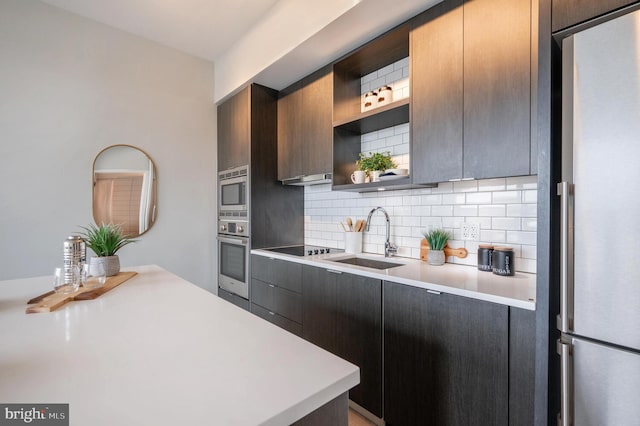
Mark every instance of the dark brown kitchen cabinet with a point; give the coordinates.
(522, 342)
(446, 359)
(305, 132)
(290, 132)
(436, 39)
(234, 130)
(342, 313)
(497, 88)
(566, 13)
(276, 287)
(470, 91)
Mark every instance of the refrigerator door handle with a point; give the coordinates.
(563, 192)
(565, 418)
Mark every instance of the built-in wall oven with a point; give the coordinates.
(233, 265)
(233, 231)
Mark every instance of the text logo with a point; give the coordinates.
(34, 414)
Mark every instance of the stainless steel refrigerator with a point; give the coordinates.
(600, 213)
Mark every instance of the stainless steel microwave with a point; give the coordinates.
(232, 189)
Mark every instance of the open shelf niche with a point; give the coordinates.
(350, 122)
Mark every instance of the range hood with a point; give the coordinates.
(308, 180)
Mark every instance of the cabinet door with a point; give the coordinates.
(319, 307)
(522, 349)
(234, 132)
(566, 13)
(436, 93)
(359, 336)
(317, 129)
(290, 128)
(446, 359)
(497, 86)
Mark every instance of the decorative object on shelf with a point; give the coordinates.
(485, 253)
(105, 241)
(385, 95)
(358, 176)
(437, 239)
(503, 261)
(370, 101)
(375, 162)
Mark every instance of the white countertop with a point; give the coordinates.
(518, 291)
(158, 350)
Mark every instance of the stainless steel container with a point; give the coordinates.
(74, 253)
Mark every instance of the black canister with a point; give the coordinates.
(485, 253)
(503, 261)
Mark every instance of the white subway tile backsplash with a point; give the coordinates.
(465, 186)
(465, 210)
(493, 236)
(529, 224)
(506, 197)
(442, 210)
(453, 199)
(492, 184)
(491, 210)
(506, 223)
(478, 198)
(530, 196)
(521, 237)
(522, 182)
(522, 210)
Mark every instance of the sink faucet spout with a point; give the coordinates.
(389, 248)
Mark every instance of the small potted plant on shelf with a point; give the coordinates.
(437, 239)
(105, 241)
(375, 163)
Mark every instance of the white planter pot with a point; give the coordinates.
(111, 264)
(435, 257)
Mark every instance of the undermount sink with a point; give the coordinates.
(367, 263)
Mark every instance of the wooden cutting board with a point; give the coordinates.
(51, 301)
(458, 252)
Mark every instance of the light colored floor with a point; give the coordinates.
(355, 419)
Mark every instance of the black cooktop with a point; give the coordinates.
(304, 250)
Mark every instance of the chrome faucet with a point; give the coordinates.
(389, 248)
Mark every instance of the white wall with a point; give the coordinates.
(70, 87)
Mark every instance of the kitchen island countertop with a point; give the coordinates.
(518, 291)
(158, 350)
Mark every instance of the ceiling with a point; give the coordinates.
(203, 28)
(241, 36)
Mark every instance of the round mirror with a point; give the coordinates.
(125, 189)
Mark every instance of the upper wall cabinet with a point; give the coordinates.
(470, 90)
(566, 13)
(305, 126)
(437, 93)
(497, 88)
(234, 133)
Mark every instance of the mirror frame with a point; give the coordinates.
(155, 184)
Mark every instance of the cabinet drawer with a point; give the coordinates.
(279, 272)
(272, 317)
(276, 299)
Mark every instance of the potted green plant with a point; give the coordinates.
(105, 241)
(375, 163)
(437, 239)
